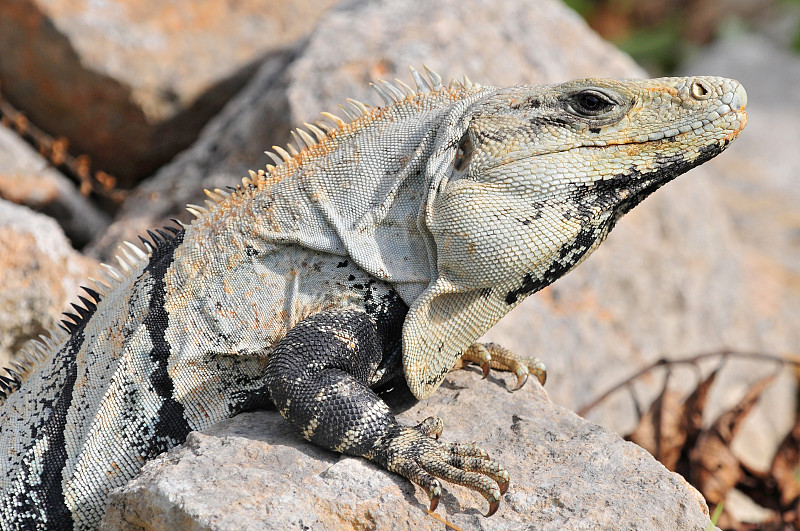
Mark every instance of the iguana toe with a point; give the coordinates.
(492, 355)
(411, 452)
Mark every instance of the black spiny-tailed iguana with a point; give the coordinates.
(374, 251)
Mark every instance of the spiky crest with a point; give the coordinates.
(130, 258)
(390, 93)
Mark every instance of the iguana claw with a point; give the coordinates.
(485, 367)
(503, 486)
(493, 356)
(434, 502)
(411, 452)
(522, 377)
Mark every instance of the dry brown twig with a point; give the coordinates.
(56, 151)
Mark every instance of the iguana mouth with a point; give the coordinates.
(671, 135)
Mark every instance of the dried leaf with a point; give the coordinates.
(695, 404)
(714, 469)
(785, 469)
(660, 430)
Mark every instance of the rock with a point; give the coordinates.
(540, 43)
(757, 182)
(27, 179)
(131, 83)
(253, 472)
(40, 273)
(499, 43)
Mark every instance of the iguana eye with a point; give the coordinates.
(463, 153)
(590, 103)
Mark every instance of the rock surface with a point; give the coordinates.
(232, 143)
(39, 271)
(758, 182)
(253, 472)
(149, 72)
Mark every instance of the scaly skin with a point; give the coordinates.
(375, 252)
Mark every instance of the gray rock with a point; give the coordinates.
(40, 273)
(253, 472)
(496, 43)
(131, 83)
(231, 143)
(27, 178)
(758, 181)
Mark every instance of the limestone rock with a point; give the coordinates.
(131, 83)
(253, 472)
(40, 273)
(757, 183)
(232, 143)
(499, 43)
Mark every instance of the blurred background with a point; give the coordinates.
(661, 36)
(116, 113)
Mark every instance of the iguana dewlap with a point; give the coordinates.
(377, 250)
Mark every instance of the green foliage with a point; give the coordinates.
(659, 49)
(583, 7)
(796, 43)
(715, 517)
(660, 40)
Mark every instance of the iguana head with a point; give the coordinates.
(533, 180)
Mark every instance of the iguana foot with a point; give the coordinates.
(413, 453)
(493, 356)
(317, 377)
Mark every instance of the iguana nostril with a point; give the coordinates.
(700, 90)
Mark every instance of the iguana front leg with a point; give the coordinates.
(318, 377)
(493, 356)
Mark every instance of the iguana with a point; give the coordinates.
(375, 252)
